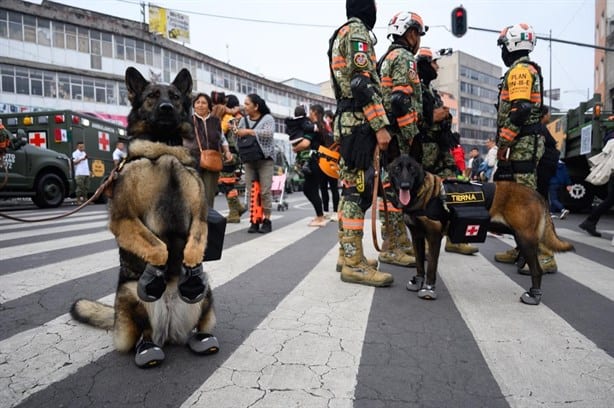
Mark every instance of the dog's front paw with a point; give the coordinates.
(204, 344)
(152, 283)
(148, 354)
(192, 284)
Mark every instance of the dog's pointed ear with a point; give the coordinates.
(183, 82)
(135, 83)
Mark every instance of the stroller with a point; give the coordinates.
(278, 187)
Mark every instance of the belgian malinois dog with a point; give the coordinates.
(158, 215)
(515, 208)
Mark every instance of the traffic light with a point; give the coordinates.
(459, 21)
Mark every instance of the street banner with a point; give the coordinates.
(169, 24)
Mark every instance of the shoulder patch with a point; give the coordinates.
(520, 82)
(361, 60)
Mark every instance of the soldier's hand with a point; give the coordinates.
(441, 114)
(383, 138)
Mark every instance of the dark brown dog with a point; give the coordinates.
(158, 215)
(514, 206)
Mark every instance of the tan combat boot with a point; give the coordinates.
(341, 258)
(356, 270)
(546, 259)
(510, 256)
(462, 248)
(236, 209)
(391, 252)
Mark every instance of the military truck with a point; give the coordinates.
(579, 136)
(42, 169)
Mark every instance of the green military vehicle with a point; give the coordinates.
(580, 136)
(42, 169)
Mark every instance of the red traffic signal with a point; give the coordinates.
(459, 21)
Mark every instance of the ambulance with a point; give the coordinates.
(39, 170)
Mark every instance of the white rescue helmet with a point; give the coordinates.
(517, 37)
(404, 20)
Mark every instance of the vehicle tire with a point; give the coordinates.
(49, 191)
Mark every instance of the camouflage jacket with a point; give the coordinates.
(432, 130)
(522, 81)
(399, 74)
(352, 53)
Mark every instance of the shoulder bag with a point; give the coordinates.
(210, 159)
(249, 148)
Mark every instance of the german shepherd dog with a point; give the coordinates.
(515, 208)
(158, 215)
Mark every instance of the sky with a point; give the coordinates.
(282, 39)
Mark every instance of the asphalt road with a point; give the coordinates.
(292, 334)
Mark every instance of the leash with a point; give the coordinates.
(107, 183)
(377, 184)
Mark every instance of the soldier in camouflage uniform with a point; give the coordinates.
(519, 140)
(403, 101)
(435, 140)
(360, 124)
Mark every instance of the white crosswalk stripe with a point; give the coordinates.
(308, 349)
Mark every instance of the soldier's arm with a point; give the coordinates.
(364, 81)
(406, 101)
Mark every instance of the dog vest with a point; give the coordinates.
(467, 204)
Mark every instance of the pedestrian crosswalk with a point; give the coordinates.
(293, 334)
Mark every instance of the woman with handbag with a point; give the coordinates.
(208, 144)
(256, 149)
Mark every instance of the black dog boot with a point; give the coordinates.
(192, 284)
(148, 354)
(415, 284)
(427, 292)
(532, 297)
(590, 227)
(152, 283)
(203, 344)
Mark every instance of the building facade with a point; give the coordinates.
(54, 56)
(604, 61)
(473, 84)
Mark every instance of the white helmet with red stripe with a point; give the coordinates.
(403, 20)
(517, 37)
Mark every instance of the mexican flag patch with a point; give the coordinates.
(359, 46)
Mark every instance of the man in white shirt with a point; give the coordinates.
(119, 153)
(82, 172)
(490, 161)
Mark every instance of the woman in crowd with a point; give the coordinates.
(259, 123)
(305, 142)
(208, 133)
(325, 133)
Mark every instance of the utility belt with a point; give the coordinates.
(527, 166)
(530, 130)
(362, 198)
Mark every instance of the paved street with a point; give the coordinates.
(293, 335)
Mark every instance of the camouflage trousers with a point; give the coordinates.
(83, 185)
(527, 148)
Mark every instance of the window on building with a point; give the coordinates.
(111, 99)
(157, 56)
(4, 21)
(22, 82)
(107, 45)
(119, 47)
(36, 82)
(71, 36)
(58, 35)
(149, 59)
(123, 95)
(84, 40)
(129, 49)
(76, 87)
(140, 52)
(8, 78)
(95, 61)
(15, 26)
(95, 43)
(49, 85)
(64, 86)
(29, 28)
(88, 90)
(43, 31)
